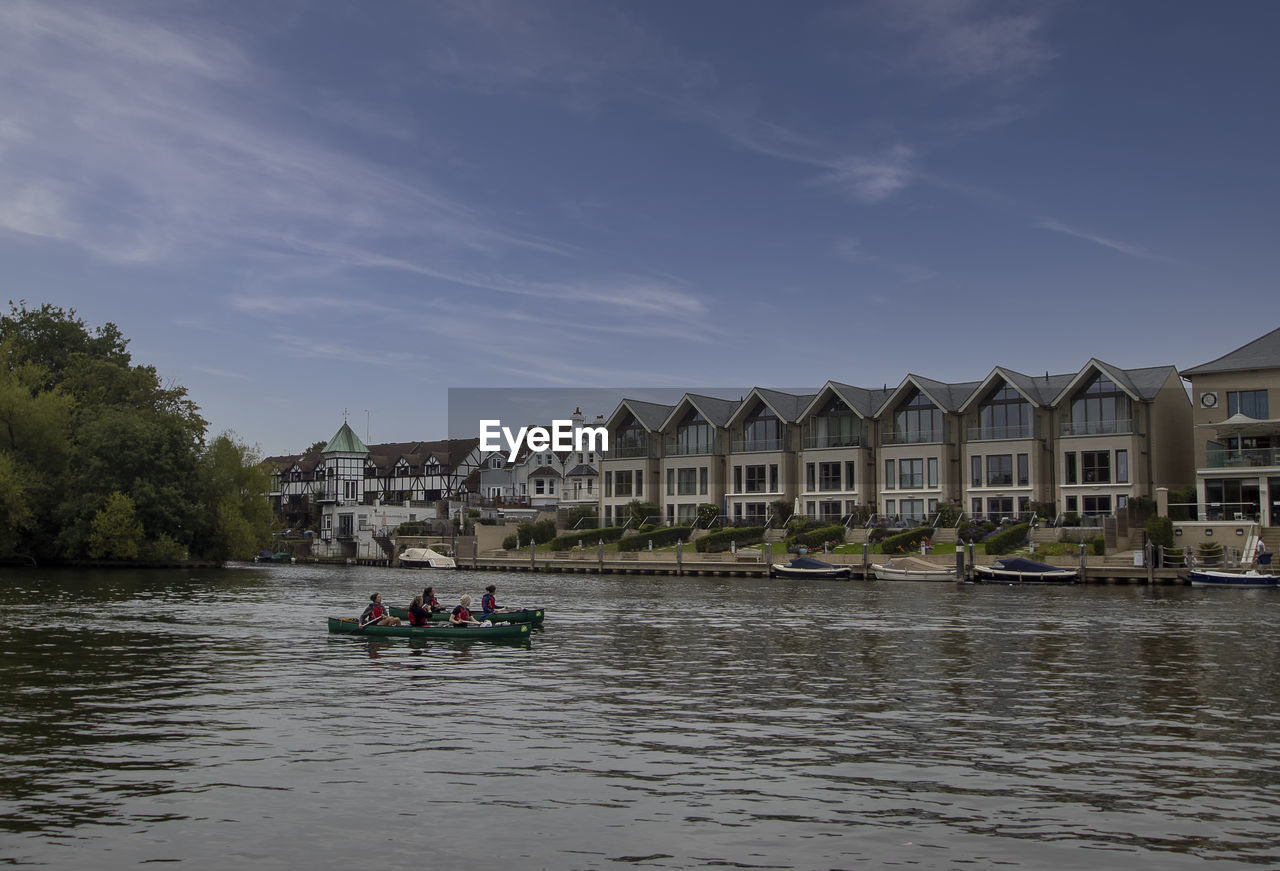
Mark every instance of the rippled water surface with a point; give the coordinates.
(208, 719)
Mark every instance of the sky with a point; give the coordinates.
(298, 210)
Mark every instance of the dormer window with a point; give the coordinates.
(1101, 407)
(834, 426)
(762, 430)
(694, 434)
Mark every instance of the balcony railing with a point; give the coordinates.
(1000, 433)
(917, 437)
(1222, 458)
(749, 445)
(812, 442)
(673, 448)
(627, 452)
(1097, 427)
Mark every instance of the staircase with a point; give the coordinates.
(944, 534)
(387, 544)
(1271, 538)
(775, 535)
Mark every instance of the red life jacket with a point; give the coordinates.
(462, 613)
(488, 603)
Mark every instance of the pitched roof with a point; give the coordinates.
(650, 414)
(580, 471)
(345, 441)
(1261, 353)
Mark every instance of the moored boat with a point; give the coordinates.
(425, 558)
(909, 568)
(1251, 578)
(522, 615)
(807, 567)
(1018, 570)
(351, 626)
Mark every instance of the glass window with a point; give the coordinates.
(694, 435)
(623, 483)
(932, 464)
(671, 482)
(755, 479)
(737, 479)
(1100, 407)
(833, 427)
(1024, 473)
(1005, 415)
(828, 476)
(1070, 475)
(975, 471)
(810, 477)
(1073, 504)
(850, 481)
(1000, 471)
(1250, 403)
(608, 483)
(762, 431)
(890, 507)
(687, 482)
(917, 420)
(890, 476)
(975, 506)
(702, 481)
(1095, 467)
(1122, 467)
(911, 474)
(639, 482)
(773, 478)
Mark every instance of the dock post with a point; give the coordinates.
(768, 558)
(960, 562)
(1082, 563)
(865, 547)
(600, 556)
(533, 559)
(679, 558)
(1148, 556)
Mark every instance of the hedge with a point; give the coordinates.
(660, 538)
(588, 537)
(817, 537)
(720, 541)
(1005, 542)
(906, 542)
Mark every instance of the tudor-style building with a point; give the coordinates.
(1237, 439)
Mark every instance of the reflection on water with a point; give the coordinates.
(208, 718)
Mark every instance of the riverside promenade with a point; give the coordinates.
(755, 563)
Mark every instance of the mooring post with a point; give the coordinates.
(1082, 563)
(768, 557)
(865, 559)
(960, 562)
(600, 557)
(533, 559)
(679, 558)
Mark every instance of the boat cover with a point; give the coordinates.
(804, 562)
(914, 564)
(1026, 566)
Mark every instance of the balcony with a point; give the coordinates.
(744, 446)
(673, 448)
(1097, 427)
(918, 437)
(1000, 433)
(1225, 458)
(630, 452)
(817, 442)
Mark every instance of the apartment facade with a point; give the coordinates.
(1237, 439)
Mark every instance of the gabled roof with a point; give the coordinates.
(1143, 385)
(650, 414)
(581, 471)
(544, 472)
(1261, 353)
(1038, 391)
(345, 441)
(787, 406)
(948, 397)
(717, 411)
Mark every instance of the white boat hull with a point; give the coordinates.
(425, 558)
(1232, 579)
(886, 573)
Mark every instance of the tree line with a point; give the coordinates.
(101, 459)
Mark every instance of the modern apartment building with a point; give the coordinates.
(1237, 441)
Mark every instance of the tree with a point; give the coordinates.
(234, 485)
(115, 532)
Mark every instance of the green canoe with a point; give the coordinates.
(524, 615)
(351, 626)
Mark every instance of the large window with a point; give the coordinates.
(917, 420)
(686, 482)
(911, 474)
(1097, 505)
(1000, 470)
(835, 426)
(630, 439)
(755, 479)
(1250, 403)
(975, 471)
(890, 475)
(1101, 407)
(932, 464)
(622, 483)
(762, 431)
(694, 435)
(1024, 473)
(1122, 467)
(1005, 415)
(1070, 475)
(828, 476)
(1095, 467)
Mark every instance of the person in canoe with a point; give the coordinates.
(430, 602)
(419, 614)
(461, 615)
(376, 613)
(489, 601)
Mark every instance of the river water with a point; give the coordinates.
(208, 719)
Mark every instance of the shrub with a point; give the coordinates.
(906, 541)
(538, 533)
(1160, 531)
(1099, 545)
(815, 538)
(949, 515)
(1007, 540)
(1071, 518)
(719, 541)
(588, 537)
(659, 537)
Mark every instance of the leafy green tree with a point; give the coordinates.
(16, 514)
(114, 532)
(234, 485)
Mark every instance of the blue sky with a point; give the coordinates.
(295, 208)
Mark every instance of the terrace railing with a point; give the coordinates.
(1097, 427)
